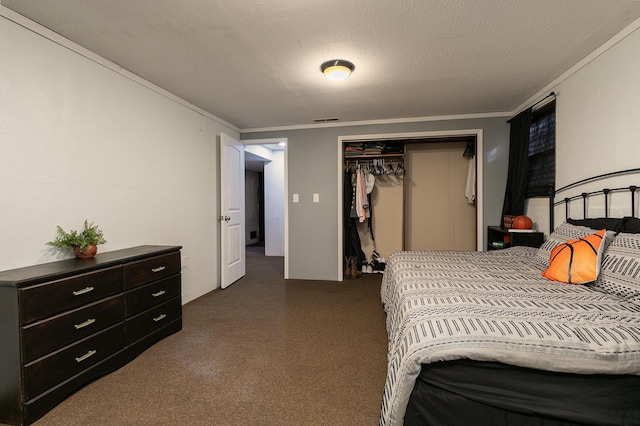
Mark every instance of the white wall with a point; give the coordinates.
(598, 126)
(598, 115)
(81, 139)
(274, 205)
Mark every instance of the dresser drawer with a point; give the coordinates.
(43, 300)
(47, 372)
(47, 336)
(148, 270)
(151, 320)
(144, 297)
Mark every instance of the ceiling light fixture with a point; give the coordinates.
(337, 69)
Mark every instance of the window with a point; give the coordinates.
(541, 172)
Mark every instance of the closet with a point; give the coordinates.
(420, 198)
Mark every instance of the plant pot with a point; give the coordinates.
(90, 251)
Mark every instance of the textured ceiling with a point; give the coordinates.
(255, 63)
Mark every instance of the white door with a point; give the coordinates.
(232, 244)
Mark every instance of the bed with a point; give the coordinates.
(483, 338)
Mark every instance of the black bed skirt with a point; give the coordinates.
(477, 393)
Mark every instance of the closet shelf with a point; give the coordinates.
(372, 156)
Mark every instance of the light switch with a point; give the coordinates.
(296, 198)
(316, 198)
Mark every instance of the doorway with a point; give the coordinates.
(265, 195)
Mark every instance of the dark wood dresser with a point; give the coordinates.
(63, 324)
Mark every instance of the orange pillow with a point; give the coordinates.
(576, 261)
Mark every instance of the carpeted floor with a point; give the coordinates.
(264, 351)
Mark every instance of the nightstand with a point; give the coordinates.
(496, 234)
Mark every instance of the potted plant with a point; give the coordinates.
(83, 243)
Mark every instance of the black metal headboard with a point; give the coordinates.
(606, 192)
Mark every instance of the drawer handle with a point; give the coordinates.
(84, 324)
(83, 291)
(158, 294)
(158, 269)
(87, 355)
(160, 317)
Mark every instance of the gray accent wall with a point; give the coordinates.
(312, 168)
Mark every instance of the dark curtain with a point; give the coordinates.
(518, 158)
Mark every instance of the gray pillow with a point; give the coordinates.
(620, 268)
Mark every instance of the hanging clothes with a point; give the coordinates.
(352, 243)
(353, 192)
(470, 189)
(470, 150)
(370, 181)
(362, 202)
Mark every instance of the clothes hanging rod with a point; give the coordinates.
(372, 159)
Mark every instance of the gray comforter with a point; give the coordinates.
(495, 306)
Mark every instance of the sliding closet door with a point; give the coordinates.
(438, 215)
